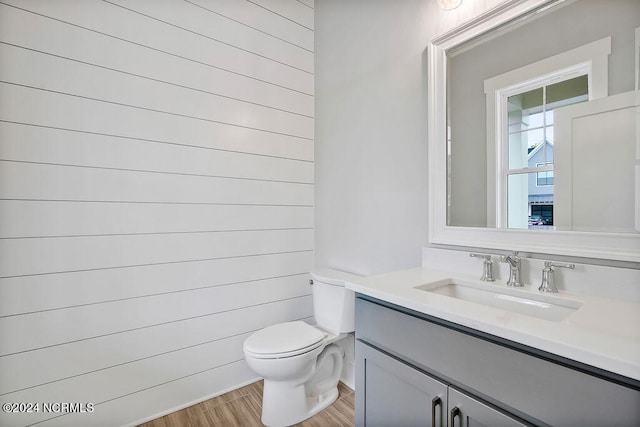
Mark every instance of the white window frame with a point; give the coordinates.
(590, 59)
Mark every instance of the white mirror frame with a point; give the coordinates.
(607, 246)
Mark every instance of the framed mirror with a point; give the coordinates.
(534, 121)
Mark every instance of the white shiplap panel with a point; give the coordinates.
(37, 367)
(119, 381)
(140, 340)
(261, 19)
(51, 291)
(45, 145)
(134, 59)
(223, 30)
(123, 24)
(58, 254)
(32, 218)
(52, 182)
(24, 67)
(289, 9)
(27, 105)
(37, 330)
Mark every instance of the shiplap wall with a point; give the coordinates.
(156, 197)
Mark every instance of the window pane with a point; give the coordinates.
(527, 100)
(526, 200)
(525, 120)
(524, 110)
(517, 194)
(521, 144)
(549, 146)
(534, 120)
(563, 93)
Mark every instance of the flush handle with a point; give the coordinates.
(435, 403)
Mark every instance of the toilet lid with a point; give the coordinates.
(284, 339)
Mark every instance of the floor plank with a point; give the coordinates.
(244, 411)
(243, 407)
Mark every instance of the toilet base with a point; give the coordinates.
(298, 407)
(289, 402)
(323, 401)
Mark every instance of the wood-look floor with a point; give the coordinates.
(243, 407)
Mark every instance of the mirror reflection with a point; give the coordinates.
(543, 124)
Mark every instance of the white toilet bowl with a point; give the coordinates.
(299, 382)
(300, 363)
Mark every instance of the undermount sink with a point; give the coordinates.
(544, 307)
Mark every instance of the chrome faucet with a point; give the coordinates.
(515, 268)
(548, 281)
(487, 271)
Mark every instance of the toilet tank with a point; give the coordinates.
(333, 304)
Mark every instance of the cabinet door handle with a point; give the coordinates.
(455, 412)
(434, 404)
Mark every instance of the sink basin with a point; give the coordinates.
(545, 307)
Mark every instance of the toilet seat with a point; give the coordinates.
(284, 340)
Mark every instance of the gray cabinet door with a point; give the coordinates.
(465, 411)
(391, 393)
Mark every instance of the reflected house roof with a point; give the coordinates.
(531, 151)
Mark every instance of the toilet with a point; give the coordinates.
(300, 363)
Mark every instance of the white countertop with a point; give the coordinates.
(604, 333)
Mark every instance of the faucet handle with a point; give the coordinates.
(548, 280)
(550, 264)
(487, 271)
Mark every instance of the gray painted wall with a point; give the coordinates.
(371, 175)
(371, 172)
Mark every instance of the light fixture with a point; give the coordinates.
(449, 4)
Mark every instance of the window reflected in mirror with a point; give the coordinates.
(530, 143)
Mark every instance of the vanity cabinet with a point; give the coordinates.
(413, 369)
(397, 394)
(400, 395)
